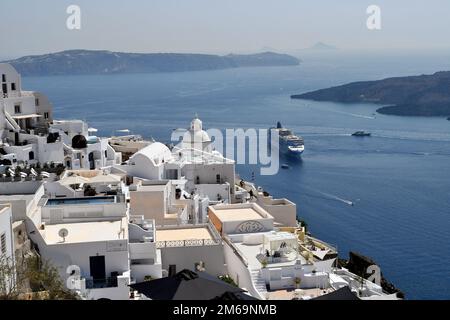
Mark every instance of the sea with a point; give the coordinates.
(398, 180)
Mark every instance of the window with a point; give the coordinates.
(3, 243)
(3, 77)
(46, 115)
(36, 102)
(13, 86)
(17, 108)
(31, 155)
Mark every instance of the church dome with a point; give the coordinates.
(196, 124)
(196, 137)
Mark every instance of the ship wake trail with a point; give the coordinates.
(328, 196)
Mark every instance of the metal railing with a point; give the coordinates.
(110, 282)
(187, 243)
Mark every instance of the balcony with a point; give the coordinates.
(142, 251)
(113, 288)
(110, 282)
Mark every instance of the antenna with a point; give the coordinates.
(63, 233)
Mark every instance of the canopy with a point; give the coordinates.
(273, 241)
(186, 285)
(320, 253)
(92, 130)
(27, 116)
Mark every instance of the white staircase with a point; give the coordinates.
(11, 122)
(258, 282)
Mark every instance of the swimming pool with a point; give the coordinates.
(76, 201)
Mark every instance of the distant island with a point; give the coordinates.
(424, 95)
(320, 46)
(76, 62)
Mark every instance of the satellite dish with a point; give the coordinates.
(200, 266)
(63, 233)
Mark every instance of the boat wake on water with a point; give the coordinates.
(329, 196)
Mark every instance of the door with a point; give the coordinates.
(91, 160)
(97, 265)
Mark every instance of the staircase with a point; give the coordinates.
(258, 282)
(11, 122)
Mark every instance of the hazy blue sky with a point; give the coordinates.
(219, 26)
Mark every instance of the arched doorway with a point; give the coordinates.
(92, 157)
(68, 162)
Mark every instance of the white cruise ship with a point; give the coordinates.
(289, 143)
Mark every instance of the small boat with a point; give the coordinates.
(361, 134)
(285, 166)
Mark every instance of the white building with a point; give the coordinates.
(260, 257)
(6, 234)
(29, 135)
(94, 235)
(196, 138)
(191, 247)
(7, 258)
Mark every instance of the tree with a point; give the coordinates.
(297, 282)
(89, 191)
(226, 278)
(9, 279)
(33, 277)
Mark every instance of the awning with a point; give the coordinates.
(276, 240)
(27, 116)
(320, 253)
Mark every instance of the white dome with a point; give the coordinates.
(157, 153)
(196, 137)
(196, 124)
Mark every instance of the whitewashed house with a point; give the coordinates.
(29, 134)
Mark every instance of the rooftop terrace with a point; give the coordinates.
(86, 232)
(183, 234)
(238, 214)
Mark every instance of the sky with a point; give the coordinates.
(220, 26)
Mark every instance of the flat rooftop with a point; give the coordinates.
(237, 214)
(250, 252)
(189, 155)
(152, 188)
(15, 197)
(202, 233)
(86, 232)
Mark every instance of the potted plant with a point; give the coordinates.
(264, 263)
(148, 278)
(297, 282)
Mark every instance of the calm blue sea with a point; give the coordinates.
(398, 179)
